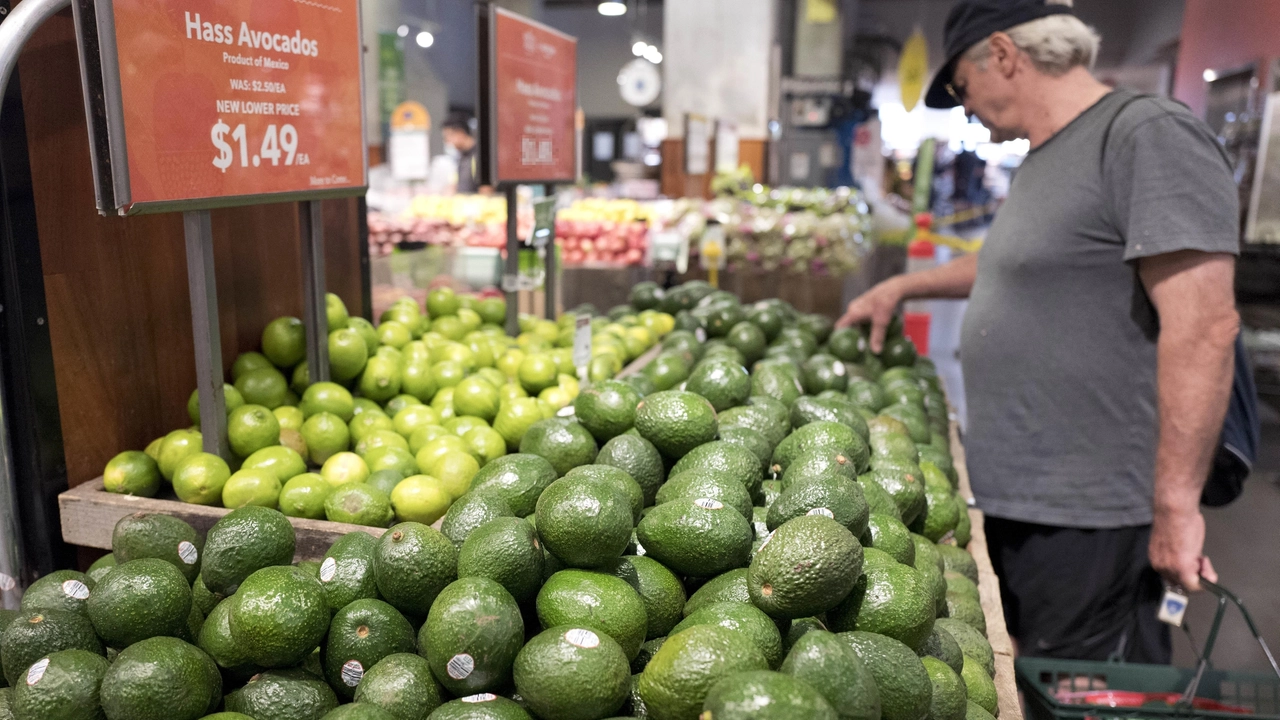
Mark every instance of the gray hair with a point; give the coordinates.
(1055, 43)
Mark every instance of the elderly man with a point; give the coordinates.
(1097, 345)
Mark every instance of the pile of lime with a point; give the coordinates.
(698, 541)
(416, 406)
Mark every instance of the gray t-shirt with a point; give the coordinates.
(1059, 340)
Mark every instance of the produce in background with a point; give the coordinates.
(558, 589)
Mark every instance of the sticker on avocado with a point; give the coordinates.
(639, 550)
(566, 411)
(7, 582)
(460, 666)
(482, 697)
(328, 569)
(352, 672)
(188, 552)
(582, 638)
(821, 511)
(75, 589)
(700, 334)
(36, 672)
(708, 503)
(838, 369)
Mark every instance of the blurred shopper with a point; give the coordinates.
(1098, 341)
(455, 170)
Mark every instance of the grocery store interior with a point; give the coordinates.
(677, 195)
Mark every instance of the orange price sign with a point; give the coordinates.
(209, 103)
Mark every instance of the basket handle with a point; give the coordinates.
(1224, 595)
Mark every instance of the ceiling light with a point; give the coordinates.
(403, 31)
(653, 54)
(639, 47)
(1210, 75)
(612, 8)
(425, 39)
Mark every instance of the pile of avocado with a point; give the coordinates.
(696, 542)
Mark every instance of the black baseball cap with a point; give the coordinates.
(969, 22)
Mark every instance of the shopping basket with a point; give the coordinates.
(1090, 690)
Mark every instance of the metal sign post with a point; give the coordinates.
(315, 317)
(511, 273)
(198, 230)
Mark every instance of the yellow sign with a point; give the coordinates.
(410, 115)
(913, 66)
(820, 12)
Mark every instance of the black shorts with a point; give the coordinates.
(1079, 594)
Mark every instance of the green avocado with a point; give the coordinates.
(360, 635)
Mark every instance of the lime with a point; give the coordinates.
(153, 449)
(367, 331)
(291, 399)
(248, 361)
(359, 504)
(251, 428)
(485, 443)
(510, 391)
(420, 498)
(394, 334)
(289, 417)
(380, 438)
(284, 342)
(328, 397)
(447, 374)
(456, 352)
(557, 397)
(405, 312)
(433, 450)
(470, 319)
(368, 422)
(380, 380)
(514, 418)
(424, 435)
(199, 479)
(400, 402)
(476, 397)
(482, 352)
(264, 386)
(391, 458)
(546, 330)
(509, 362)
(492, 310)
(251, 487)
(325, 434)
(385, 480)
(415, 376)
(335, 312)
(279, 460)
(132, 473)
(454, 469)
(292, 439)
(363, 404)
(175, 448)
(413, 417)
(538, 372)
(462, 425)
(344, 467)
(347, 354)
(303, 496)
(442, 301)
(449, 326)
(231, 397)
(564, 361)
(442, 403)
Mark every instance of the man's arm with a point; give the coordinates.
(1194, 296)
(953, 280)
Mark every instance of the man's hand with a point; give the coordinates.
(876, 306)
(1177, 541)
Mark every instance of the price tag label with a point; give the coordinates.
(582, 342)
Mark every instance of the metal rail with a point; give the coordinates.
(16, 29)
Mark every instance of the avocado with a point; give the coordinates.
(669, 369)
(958, 560)
(583, 523)
(758, 419)
(201, 598)
(484, 706)
(358, 711)
(61, 686)
(361, 634)
(904, 684)
(889, 598)
(822, 435)
(292, 694)
(961, 585)
(598, 601)
(412, 564)
(696, 536)
(564, 444)
(677, 679)
(768, 320)
(752, 440)
(926, 563)
(971, 643)
(831, 666)
(702, 483)
(616, 478)
(964, 608)
(819, 463)
(942, 645)
(140, 599)
(913, 418)
(888, 534)
(948, 700)
(101, 567)
(62, 590)
(642, 658)
(760, 693)
(744, 618)
(472, 635)
(141, 684)
(724, 383)
(878, 499)
(505, 550)
(974, 711)
(727, 587)
(346, 573)
(607, 409)
(6, 703)
(401, 684)
(659, 589)
(894, 446)
(940, 515)
(572, 672)
(964, 526)
(470, 512)
(280, 615)
(676, 422)
(778, 383)
(848, 344)
(979, 686)
(149, 535)
(639, 459)
(806, 567)
(770, 491)
(905, 485)
(216, 641)
(244, 541)
(750, 338)
(866, 394)
(798, 628)
(518, 478)
(835, 497)
(724, 458)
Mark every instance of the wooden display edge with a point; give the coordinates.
(989, 591)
